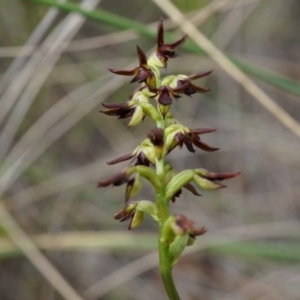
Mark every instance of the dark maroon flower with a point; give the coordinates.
(189, 87)
(126, 213)
(141, 159)
(218, 176)
(166, 51)
(166, 93)
(144, 154)
(191, 138)
(115, 180)
(123, 215)
(133, 183)
(143, 72)
(122, 110)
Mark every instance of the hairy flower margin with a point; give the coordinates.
(176, 231)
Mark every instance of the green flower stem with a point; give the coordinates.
(166, 272)
(163, 248)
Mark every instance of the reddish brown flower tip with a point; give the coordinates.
(142, 56)
(156, 137)
(141, 159)
(176, 195)
(203, 130)
(199, 75)
(192, 189)
(220, 176)
(188, 226)
(198, 231)
(122, 215)
(121, 159)
(184, 223)
(114, 180)
(166, 51)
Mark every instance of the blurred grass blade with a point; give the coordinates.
(101, 16)
(121, 241)
(279, 81)
(287, 252)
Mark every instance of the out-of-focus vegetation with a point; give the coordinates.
(54, 145)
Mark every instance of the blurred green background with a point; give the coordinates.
(54, 145)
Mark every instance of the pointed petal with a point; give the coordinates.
(221, 176)
(202, 130)
(122, 215)
(115, 180)
(116, 105)
(142, 56)
(198, 143)
(188, 143)
(192, 89)
(175, 44)
(192, 189)
(160, 33)
(120, 159)
(199, 75)
(124, 72)
(181, 88)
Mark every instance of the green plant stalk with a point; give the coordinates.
(163, 248)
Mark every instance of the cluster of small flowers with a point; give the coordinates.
(167, 135)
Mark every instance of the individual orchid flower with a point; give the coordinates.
(166, 51)
(129, 212)
(185, 82)
(169, 174)
(135, 109)
(183, 225)
(164, 96)
(132, 179)
(165, 93)
(142, 73)
(190, 138)
(144, 154)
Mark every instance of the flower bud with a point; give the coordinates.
(137, 116)
(178, 181)
(137, 219)
(177, 246)
(133, 187)
(167, 233)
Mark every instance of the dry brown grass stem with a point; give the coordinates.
(31, 251)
